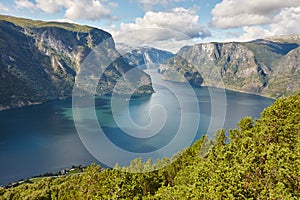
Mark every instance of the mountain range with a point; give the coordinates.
(269, 67)
(40, 61)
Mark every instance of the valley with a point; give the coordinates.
(215, 120)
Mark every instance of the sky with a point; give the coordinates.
(168, 24)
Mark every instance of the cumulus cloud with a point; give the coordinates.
(52, 6)
(113, 4)
(74, 9)
(24, 4)
(87, 9)
(65, 20)
(238, 13)
(284, 23)
(257, 18)
(149, 4)
(287, 22)
(174, 26)
(3, 7)
(254, 32)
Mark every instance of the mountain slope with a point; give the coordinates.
(285, 78)
(253, 67)
(40, 60)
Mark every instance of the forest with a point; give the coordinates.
(259, 159)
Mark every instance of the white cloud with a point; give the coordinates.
(65, 20)
(162, 28)
(74, 9)
(171, 45)
(113, 4)
(238, 13)
(24, 4)
(257, 18)
(243, 19)
(148, 4)
(287, 22)
(87, 10)
(3, 7)
(254, 32)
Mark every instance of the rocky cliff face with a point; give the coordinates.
(255, 67)
(285, 78)
(39, 61)
(144, 57)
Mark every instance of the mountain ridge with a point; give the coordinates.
(251, 67)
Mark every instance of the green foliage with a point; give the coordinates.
(259, 160)
(26, 23)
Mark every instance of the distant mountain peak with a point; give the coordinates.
(144, 57)
(285, 38)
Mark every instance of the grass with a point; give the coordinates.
(37, 179)
(71, 171)
(74, 171)
(27, 23)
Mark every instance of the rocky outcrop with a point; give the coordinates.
(181, 71)
(39, 61)
(285, 78)
(253, 67)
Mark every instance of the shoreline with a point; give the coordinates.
(74, 169)
(7, 108)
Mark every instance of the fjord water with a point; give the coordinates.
(43, 138)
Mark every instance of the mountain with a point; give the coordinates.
(144, 57)
(269, 67)
(293, 38)
(39, 61)
(180, 70)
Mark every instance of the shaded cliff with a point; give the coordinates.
(39, 61)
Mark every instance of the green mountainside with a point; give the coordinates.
(269, 67)
(27, 23)
(39, 61)
(260, 159)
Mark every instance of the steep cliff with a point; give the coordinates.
(285, 78)
(39, 61)
(257, 67)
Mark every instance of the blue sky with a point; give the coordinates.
(168, 24)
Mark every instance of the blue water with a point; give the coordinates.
(43, 138)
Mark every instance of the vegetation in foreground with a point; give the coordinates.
(259, 160)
